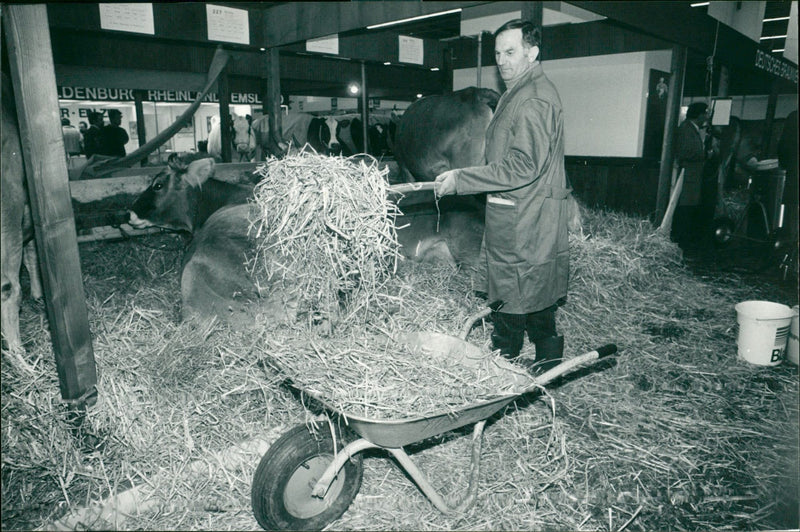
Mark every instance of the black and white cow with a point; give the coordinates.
(297, 130)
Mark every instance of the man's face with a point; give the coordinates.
(512, 56)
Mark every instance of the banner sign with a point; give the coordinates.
(775, 66)
(127, 95)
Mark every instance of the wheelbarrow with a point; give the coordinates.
(305, 482)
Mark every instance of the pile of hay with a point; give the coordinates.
(325, 231)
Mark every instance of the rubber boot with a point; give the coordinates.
(549, 352)
(508, 334)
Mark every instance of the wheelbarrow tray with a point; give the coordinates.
(453, 352)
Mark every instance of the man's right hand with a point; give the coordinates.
(445, 183)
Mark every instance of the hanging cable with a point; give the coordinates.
(710, 68)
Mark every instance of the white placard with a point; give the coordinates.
(411, 50)
(722, 112)
(227, 24)
(137, 18)
(325, 45)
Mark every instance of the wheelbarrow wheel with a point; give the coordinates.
(288, 471)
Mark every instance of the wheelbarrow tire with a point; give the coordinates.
(288, 471)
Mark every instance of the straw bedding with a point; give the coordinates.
(675, 433)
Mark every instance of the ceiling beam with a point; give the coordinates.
(678, 23)
(294, 22)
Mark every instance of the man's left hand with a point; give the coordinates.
(445, 183)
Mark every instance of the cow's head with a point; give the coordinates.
(322, 135)
(244, 138)
(171, 199)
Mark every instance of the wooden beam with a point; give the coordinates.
(33, 75)
(681, 24)
(293, 22)
(678, 72)
(377, 46)
(224, 94)
(274, 119)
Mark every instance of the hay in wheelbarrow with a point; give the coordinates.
(325, 230)
(393, 378)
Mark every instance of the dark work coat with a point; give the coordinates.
(526, 238)
(690, 154)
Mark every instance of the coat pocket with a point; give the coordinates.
(501, 231)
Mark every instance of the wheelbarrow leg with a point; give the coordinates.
(324, 482)
(430, 491)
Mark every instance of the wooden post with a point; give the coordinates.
(447, 74)
(141, 130)
(766, 137)
(224, 94)
(364, 107)
(273, 102)
(674, 97)
(533, 11)
(33, 76)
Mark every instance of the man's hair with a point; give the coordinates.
(531, 35)
(65, 121)
(696, 109)
(114, 112)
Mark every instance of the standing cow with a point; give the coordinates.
(297, 130)
(243, 142)
(186, 197)
(442, 132)
(350, 134)
(16, 240)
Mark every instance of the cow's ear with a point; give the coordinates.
(199, 171)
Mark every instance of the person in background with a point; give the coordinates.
(91, 139)
(72, 138)
(83, 127)
(113, 137)
(690, 156)
(526, 237)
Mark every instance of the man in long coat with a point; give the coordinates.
(688, 223)
(526, 237)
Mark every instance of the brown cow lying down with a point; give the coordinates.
(214, 277)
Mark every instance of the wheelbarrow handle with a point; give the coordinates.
(606, 350)
(573, 363)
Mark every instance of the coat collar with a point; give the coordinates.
(534, 73)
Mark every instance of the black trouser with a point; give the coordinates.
(509, 329)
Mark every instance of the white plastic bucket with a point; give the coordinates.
(791, 347)
(763, 331)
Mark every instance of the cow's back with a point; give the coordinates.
(216, 194)
(214, 279)
(438, 133)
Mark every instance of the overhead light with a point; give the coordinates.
(419, 95)
(263, 49)
(772, 37)
(410, 19)
(776, 19)
(353, 88)
(387, 63)
(779, 50)
(434, 69)
(699, 4)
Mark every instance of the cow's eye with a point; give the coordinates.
(158, 186)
